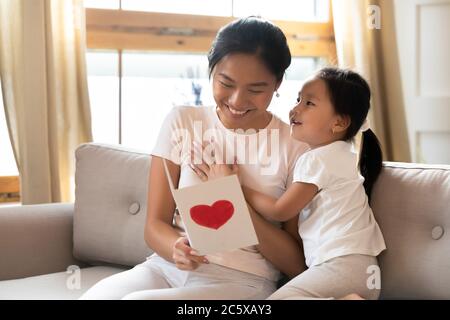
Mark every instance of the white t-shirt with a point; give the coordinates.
(266, 160)
(338, 221)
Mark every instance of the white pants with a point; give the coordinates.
(335, 278)
(158, 279)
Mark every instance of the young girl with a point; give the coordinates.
(340, 236)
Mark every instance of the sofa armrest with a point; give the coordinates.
(35, 240)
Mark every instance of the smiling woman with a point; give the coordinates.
(244, 81)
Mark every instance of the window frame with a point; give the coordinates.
(116, 29)
(9, 189)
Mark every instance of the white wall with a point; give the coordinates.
(424, 53)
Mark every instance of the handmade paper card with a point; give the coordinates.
(215, 215)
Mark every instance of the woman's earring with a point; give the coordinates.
(277, 94)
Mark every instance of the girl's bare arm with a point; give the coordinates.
(296, 197)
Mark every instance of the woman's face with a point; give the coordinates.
(243, 87)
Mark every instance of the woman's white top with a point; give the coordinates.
(266, 161)
(338, 221)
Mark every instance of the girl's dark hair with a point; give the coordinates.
(350, 96)
(252, 35)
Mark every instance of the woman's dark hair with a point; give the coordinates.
(350, 96)
(252, 35)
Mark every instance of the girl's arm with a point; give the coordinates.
(282, 248)
(296, 197)
(159, 234)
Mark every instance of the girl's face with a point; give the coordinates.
(243, 88)
(313, 120)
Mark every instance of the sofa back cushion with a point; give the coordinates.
(110, 206)
(411, 203)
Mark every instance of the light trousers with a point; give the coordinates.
(158, 279)
(335, 279)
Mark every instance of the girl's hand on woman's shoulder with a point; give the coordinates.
(208, 169)
(213, 171)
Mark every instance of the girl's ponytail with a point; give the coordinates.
(370, 160)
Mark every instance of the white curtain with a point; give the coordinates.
(44, 82)
(369, 48)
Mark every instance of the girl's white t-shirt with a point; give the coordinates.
(266, 161)
(338, 221)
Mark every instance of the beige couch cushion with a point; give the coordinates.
(54, 286)
(110, 206)
(411, 203)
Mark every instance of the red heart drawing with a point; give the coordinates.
(213, 216)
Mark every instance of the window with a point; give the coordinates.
(8, 165)
(9, 175)
(103, 84)
(305, 10)
(198, 7)
(143, 62)
(102, 4)
(153, 83)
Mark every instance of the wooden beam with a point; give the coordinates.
(9, 184)
(132, 30)
(147, 42)
(318, 48)
(199, 44)
(148, 22)
(151, 31)
(118, 19)
(6, 199)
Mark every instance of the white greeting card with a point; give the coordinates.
(215, 215)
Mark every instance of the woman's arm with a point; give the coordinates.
(159, 234)
(296, 197)
(279, 246)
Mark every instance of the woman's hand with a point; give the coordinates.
(184, 257)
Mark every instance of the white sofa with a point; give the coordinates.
(58, 251)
